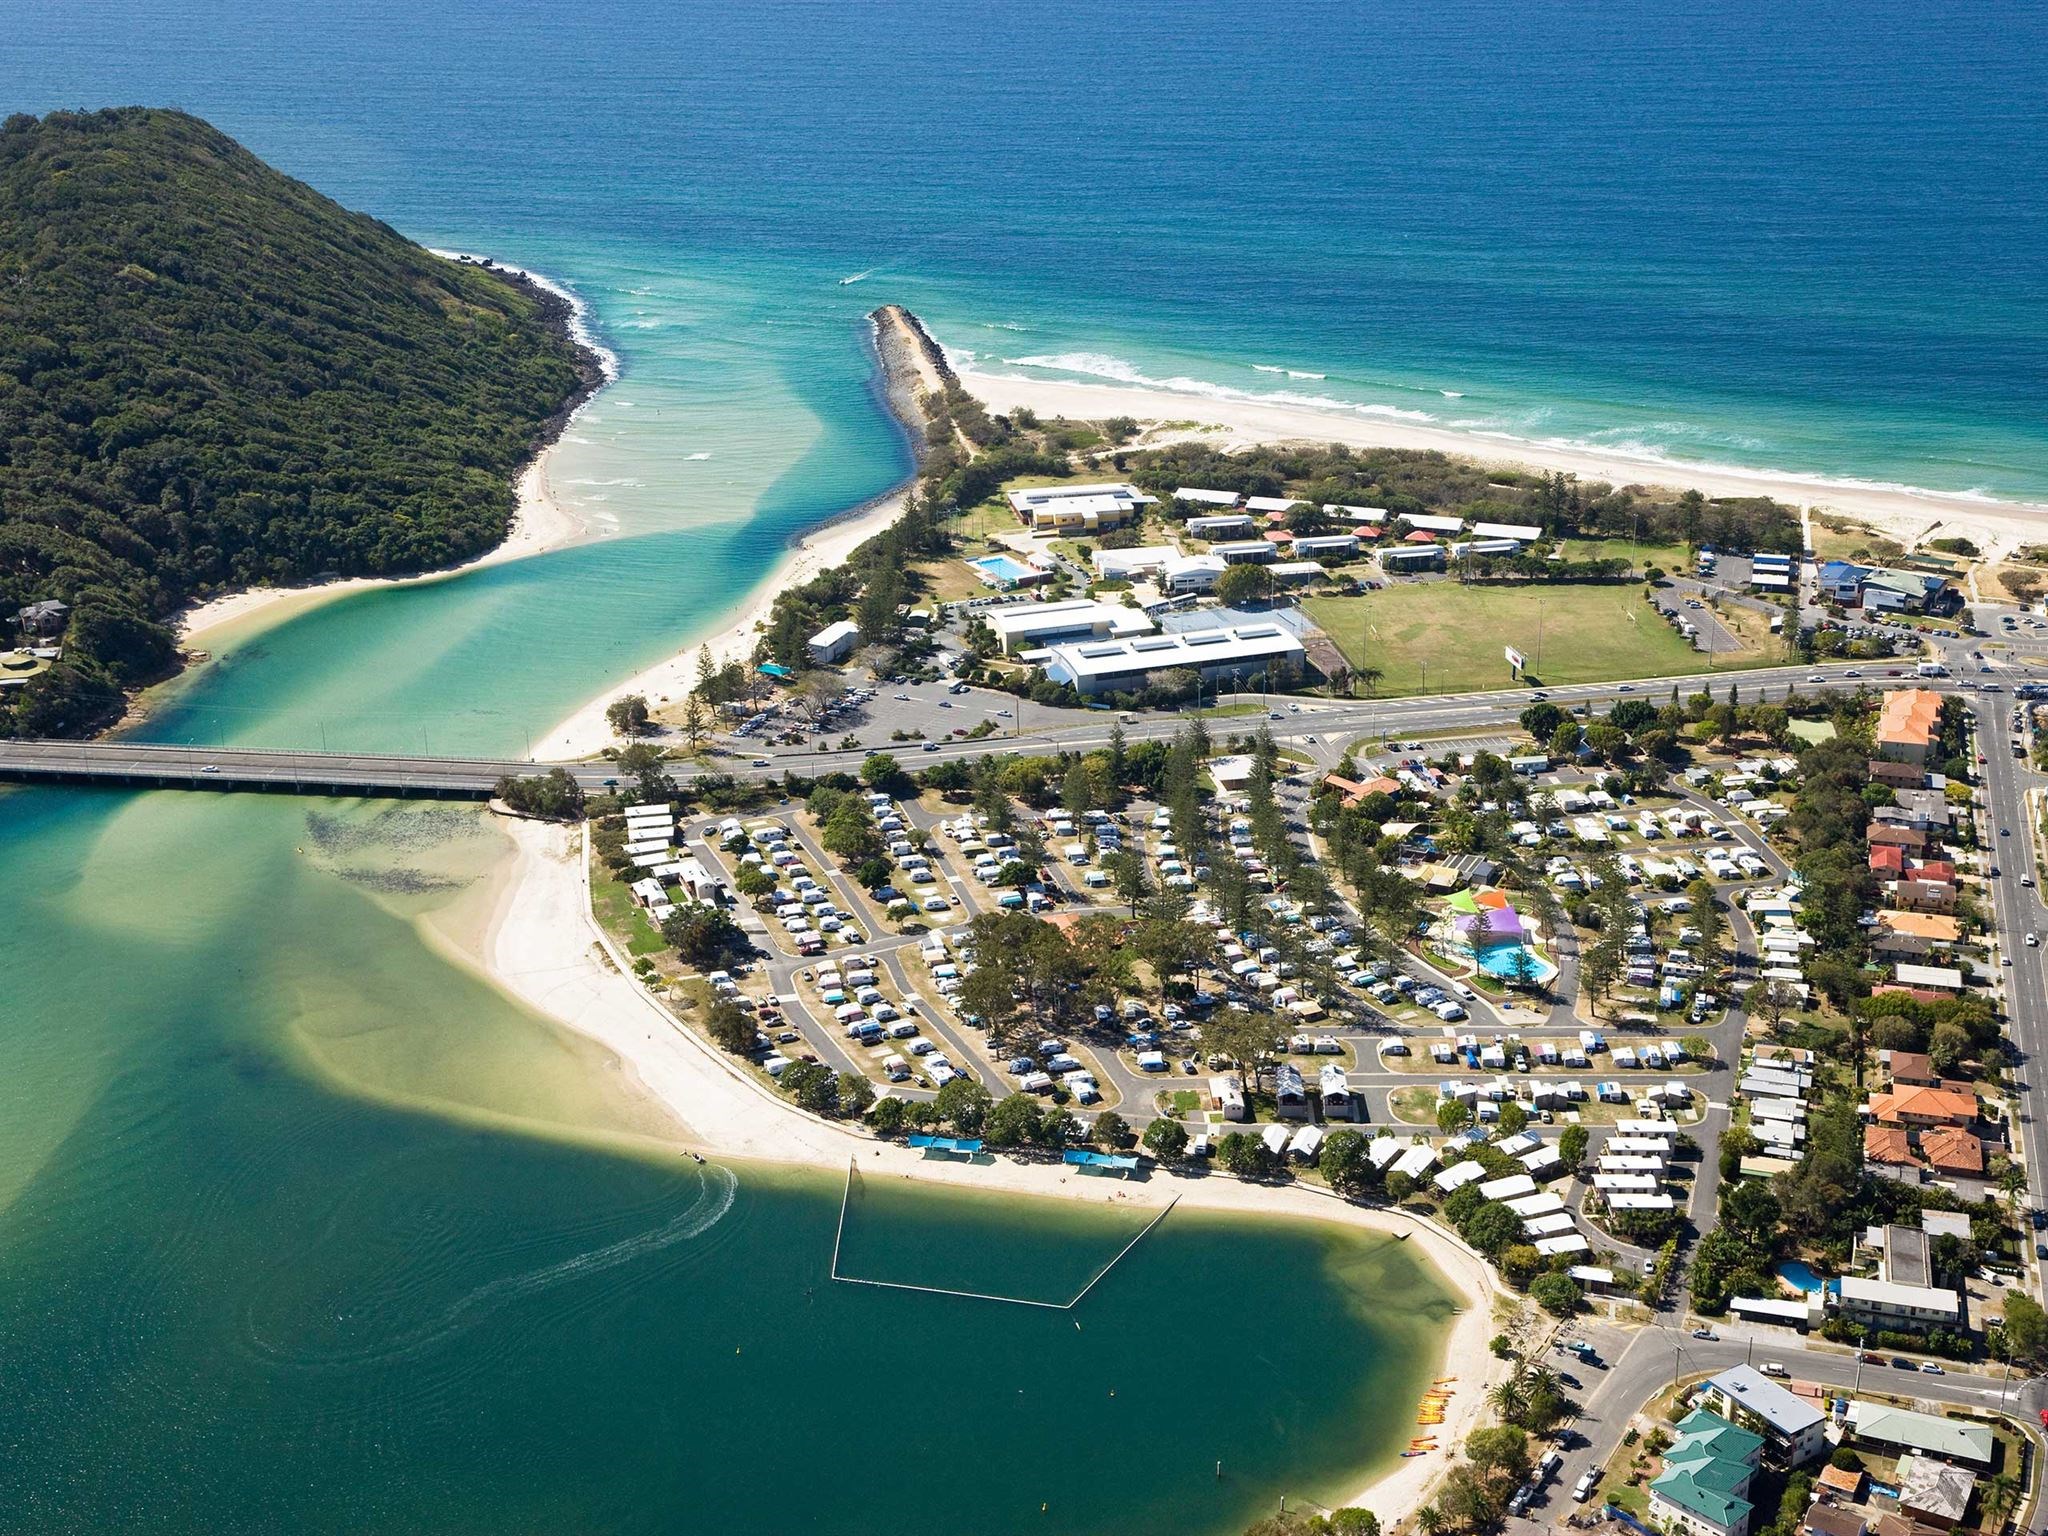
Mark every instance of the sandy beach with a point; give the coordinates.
(730, 635)
(1903, 514)
(540, 523)
(544, 948)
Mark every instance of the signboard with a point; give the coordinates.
(1515, 659)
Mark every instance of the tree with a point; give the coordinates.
(1344, 1165)
(1501, 1451)
(1571, 1146)
(1166, 1140)
(732, 1027)
(697, 722)
(881, 771)
(1452, 1116)
(1243, 1038)
(1128, 875)
(644, 765)
(1246, 1156)
(1012, 1122)
(1111, 1130)
(1492, 1227)
(1706, 916)
(888, 1116)
(1353, 1521)
(1241, 584)
(1948, 1047)
(1556, 1294)
(628, 715)
(1513, 1119)
(964, 1105)
(700, 932)
(553, 794)
(2023, 1337)
(856, 1095)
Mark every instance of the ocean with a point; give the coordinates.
(303, 1225)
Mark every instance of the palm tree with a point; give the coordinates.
(1430, 1520)
(1507, 1397)
(1370, 677)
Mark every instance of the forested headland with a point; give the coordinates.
(213, 377)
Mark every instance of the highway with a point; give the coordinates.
(1335, 725)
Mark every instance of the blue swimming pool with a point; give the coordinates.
(1499, 960)
(1800, 1277)
(1001, 570)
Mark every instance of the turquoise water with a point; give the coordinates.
(1001, 569)
(304, 1227)
(1780, 234)
(1499, 960)
(1801, 1277)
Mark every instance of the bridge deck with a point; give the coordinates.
(323, 773)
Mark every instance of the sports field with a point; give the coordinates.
(1441, 637)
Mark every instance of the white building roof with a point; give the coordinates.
(1024, 622)
(1571, 1242)
(1117, 494)
(1786, 1412)
(1121, 562)
(1428, 523)
(1886, 1293)
(832, 634)
(1524, 532)
(1206, 498)
(1271, 503)
(1246, 644)
(1513, 1187)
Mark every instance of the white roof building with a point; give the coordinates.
(1118, 665)
(1022, 626)
(1219, 527)
(1122, 564)
(1263, 504)
(1424, 522)
(1317, 545)
(1191, 573)
(1524, 533)
(1241, 551)
(834, 642)
(1202, 498)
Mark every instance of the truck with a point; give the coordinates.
(1930, 669)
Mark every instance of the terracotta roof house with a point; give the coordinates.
(1923, 895)
(1827, 1520)
(1898, 775)
(1887, 859)
(1908, 725)
(1896, 837)
(1927, 925)
(1887, 1144)
(1923, 1107)
(1913, 1069)
(1949, 1150)
(1841, 1482)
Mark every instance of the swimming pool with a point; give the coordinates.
(1801, 1278)
(1499, 960)
(1001, 570)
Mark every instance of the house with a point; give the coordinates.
(1338, 1100)
(1521, 533)
(1794, 1427)
(1290, 1093)
(1909, 725)
(1425, 523)
(1897, 775)
(1921, 1108)
(833, 643)
(1888, 1144)
(1245, 552)
(1929, 978)
(1829, 1520)
(1932, 926)
(1903, 1429)
(1844, 1483)
(1886, 1304)
(1953, 1151)
(1704, 1487)
(1196, 496)
(1913, 1069)
(1905, 839)
(1933, 1492)
(1326, 546)
(1922, 895)
(47, 617)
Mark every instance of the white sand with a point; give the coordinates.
(539, 524)
(731, 635)
(1903, 514)
(544, 948)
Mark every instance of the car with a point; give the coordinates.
(760, 762)
(2027, 880)
(1626, 688)
(1570, 1380)
(1582, 1490)
(1816, 677)
(2037, 1219)
(1901, 1363)
(931, 746)
(2041, 1250)
(1704, 1333)
(2033, 941)
(1852, 672)
(1928, 1367)
(1773, 1368)
(1274, 714)
(211, 768)
(2005, 960)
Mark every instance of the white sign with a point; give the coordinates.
(1515, 658)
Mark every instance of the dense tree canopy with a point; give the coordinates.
(211, 377)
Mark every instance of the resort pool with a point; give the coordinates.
(1499, 960)
(1802, 1278)
(1001, 570)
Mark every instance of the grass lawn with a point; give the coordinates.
(949, 580)
(1443, 637)
(623, 917)
(1672, 557)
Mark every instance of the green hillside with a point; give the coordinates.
(211, 377)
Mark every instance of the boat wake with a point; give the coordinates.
(715, 1196)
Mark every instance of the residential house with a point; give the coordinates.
(1903, 1429)
(1794, 1427)
(1886, 1304)
(1909, 725)
(1920, 1108)
(1953, 1150)
(1704, 1487)
(1933, 1492)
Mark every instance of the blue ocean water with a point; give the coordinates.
(1800, 235)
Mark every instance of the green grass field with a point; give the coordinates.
(1440, 637)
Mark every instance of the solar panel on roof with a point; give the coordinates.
(1155, 643)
